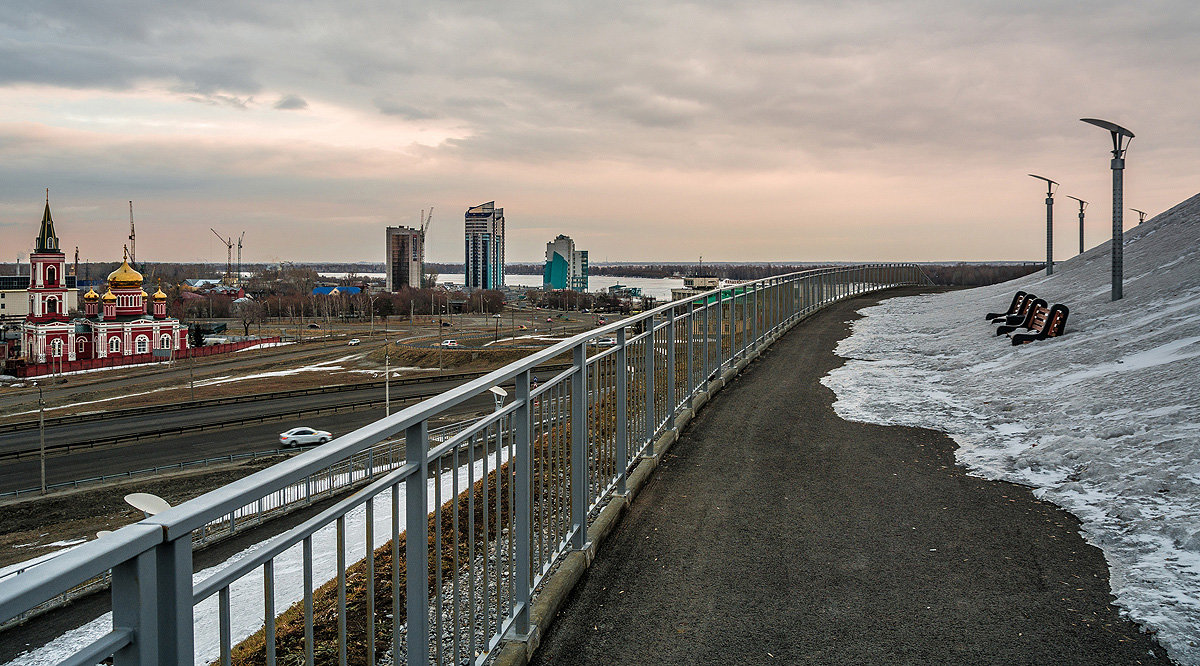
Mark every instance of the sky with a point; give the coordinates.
(733, 130)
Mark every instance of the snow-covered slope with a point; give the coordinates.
(1104, 421)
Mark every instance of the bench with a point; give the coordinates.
(1013, 308)
(1019, 320)
(1044, 323)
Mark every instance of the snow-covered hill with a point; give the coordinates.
(1105, 421)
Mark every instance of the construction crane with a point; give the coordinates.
(239, 273)
(425, 224)
(132, 238)
(228, 255)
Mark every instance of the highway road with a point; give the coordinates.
(23, 473)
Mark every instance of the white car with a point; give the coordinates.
(303, 435)
(353, 341)
(449, 343)
(607, 342)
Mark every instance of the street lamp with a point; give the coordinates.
(387, 382)
(41, 434)
(498, 395)
(1082, 204)
(1141, 215)
(1049, 222)
(1120, 138)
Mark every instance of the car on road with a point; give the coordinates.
(314, 326)
(495, 316)
(607, 342)
(304, 435)
(450, 343)
(353, 341)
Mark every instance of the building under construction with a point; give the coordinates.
(405, 257)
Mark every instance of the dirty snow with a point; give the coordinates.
(1104, 422)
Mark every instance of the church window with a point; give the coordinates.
(51, 305)
(142, 344)
(50, 275)
(164, 341)
(114, 344)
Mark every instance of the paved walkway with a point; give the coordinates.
(777, 533)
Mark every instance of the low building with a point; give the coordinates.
(694, 285)
(14, 297)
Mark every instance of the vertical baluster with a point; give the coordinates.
(438, 634)
(269, 610)
(486, 514)
(579, 442)
(622, 377)
(471, 542)
(341, 589)
(223, 620)
(456, 621)
(648, 411)
(669, 405)
(308, 601)
(522, 506)
(416, 521)
(370, 538)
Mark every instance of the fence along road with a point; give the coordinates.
(522, 485)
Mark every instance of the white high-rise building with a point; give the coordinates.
(566, 267)
(484, 266)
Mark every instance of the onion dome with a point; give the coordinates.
(159, 295)
(144, 295)
(91, 295)
(109, 297)
(124, 276)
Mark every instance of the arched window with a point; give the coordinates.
(56, 346)
(50, 275)
(52, 305)
(142, 344)
(81, 344)
(114, 345)
(164, 341)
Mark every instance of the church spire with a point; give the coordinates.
(47, 240)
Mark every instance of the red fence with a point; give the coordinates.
(22, 369)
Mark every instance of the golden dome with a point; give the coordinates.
(124, 276)
(108, 296)
(145, 295)
(91, 295)
(159, 295)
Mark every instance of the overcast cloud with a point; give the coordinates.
(662, 131)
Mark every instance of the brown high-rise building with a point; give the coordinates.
(405, 258)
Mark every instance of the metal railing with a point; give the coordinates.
(459, 533)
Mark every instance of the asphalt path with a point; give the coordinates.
(776, 532)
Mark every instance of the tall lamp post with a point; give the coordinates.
(41, 434)
(1049, 222)
(1141, 215)
(1120, 138)
(1082, 204)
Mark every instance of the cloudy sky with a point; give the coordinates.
(736, 130)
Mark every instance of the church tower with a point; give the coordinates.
(47, 274)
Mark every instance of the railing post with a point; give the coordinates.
(134, 607)
(691, 342)
(416, 549)
(754, 303)
(622, 411)
(522, 504)
(704, 341)
(173, 570)
(651, 424)
(670, 405)
(579, 445)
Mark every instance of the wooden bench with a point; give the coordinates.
(1014, 321)
(1013, 308)
(1044, 323)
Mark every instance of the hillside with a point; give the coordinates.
(1104, 422)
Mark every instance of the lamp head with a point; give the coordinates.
(1120, 135)
(1082, 204)
(1049, 183)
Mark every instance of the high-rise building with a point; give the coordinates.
(405, 258)
(566, 267)
(484, 266)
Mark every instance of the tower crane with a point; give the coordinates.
(426, 222)
(228, 255)
(239, 273)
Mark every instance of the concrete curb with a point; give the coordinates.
(558, 586)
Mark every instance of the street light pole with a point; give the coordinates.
(42, 434)
(1049, 222)
(387, 384)
(1120, 138)
(1082, 204)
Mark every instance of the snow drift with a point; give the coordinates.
(1104, 422)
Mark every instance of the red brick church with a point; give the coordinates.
(122, 322)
